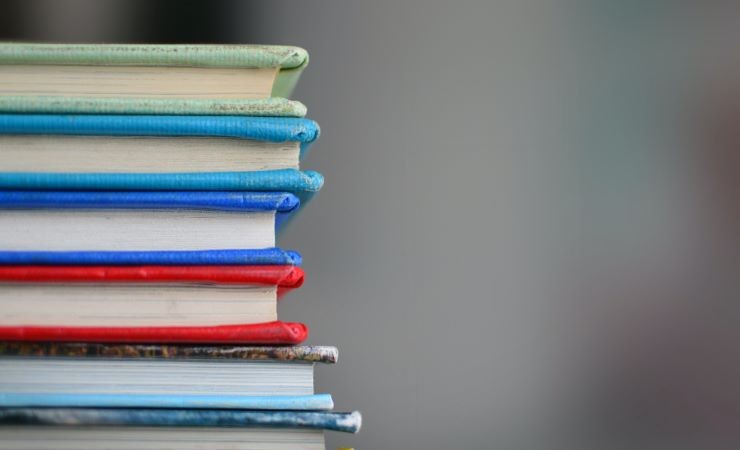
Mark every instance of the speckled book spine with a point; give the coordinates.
(89, 105)
(307, 354)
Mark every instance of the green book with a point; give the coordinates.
(253, 80)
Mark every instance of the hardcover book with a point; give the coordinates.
(150, 79)
(151, 144)
(141, 221)
(60, 374)
(131, 296)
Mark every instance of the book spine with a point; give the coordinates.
(264, 333)
(303, 353)
(267, 256)
(283, 276)
(190, 55)
(270, 107)
(269, 129)
(350, 422)
(216, 201)
(283, 180)
(77, 400)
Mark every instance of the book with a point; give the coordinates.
(262, 256)
(55, 374)
(348, 422)
(150, 79)
(151, 144)
(143, 295)
(140, 221)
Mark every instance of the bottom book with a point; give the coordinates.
(159, 429)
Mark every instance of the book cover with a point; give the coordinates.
(285, 278)
(303, 353)
(207, 200)
(349, 422)
(275, 106)
(271, 129)
(289, 59)
(266, 256)
(302, 184)
(282, 402)
(270, 333)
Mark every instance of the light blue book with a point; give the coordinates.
(153, 152)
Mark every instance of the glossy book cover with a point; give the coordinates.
(350, 422)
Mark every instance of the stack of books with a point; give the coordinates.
(141, 189)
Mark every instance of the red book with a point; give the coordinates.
(263, 333)
(234, 303)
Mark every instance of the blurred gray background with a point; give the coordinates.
(521, 242)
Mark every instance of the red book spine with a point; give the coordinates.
(261, 333)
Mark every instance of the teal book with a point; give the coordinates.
(157, 152)
(253, 80)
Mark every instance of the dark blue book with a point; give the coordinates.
(156, 221)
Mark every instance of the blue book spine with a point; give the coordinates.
(335, 421)
(270, 129)
(283, 180)
(267, 256)
(316, 402)
(198, 200)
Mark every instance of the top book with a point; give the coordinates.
(150, 79)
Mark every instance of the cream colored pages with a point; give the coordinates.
(127, 154)
(137, 82)
(145, 304)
